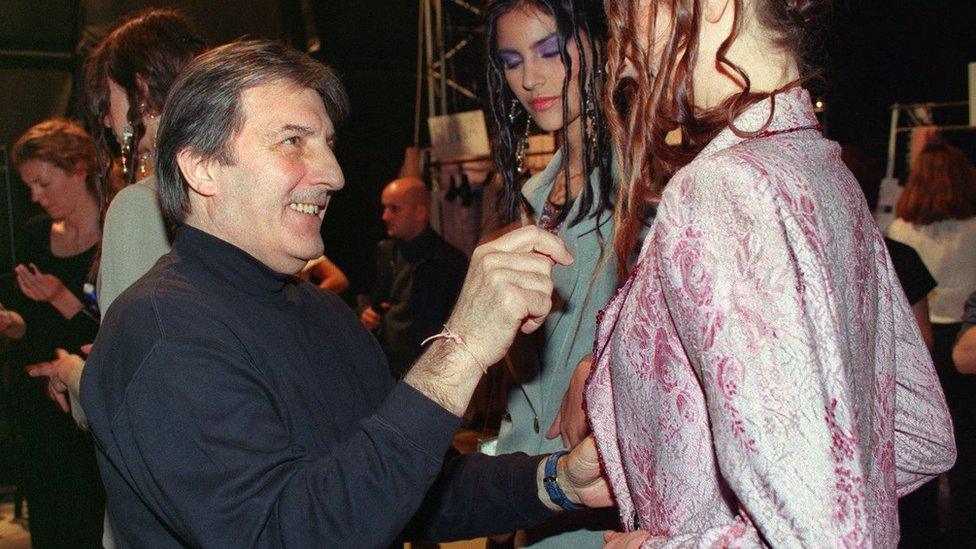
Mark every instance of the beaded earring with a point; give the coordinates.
(523, 143)
(128, 133)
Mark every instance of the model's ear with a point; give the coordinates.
(200, 172)
(144, 97)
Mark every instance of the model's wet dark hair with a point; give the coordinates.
(580, 22)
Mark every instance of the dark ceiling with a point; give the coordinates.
(880, 52)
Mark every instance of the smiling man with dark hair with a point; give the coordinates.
(235, 406)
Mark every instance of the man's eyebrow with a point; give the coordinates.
(291, 128)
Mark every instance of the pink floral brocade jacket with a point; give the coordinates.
(760, 378)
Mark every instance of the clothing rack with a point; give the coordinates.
(916, 115)
(905, 117)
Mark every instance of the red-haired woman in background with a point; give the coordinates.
(936, 215)
(759, 379)
(127, 78)
(56, 160)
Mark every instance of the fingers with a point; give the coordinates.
(24, 280)
(532, 239)
(61, 353)
(532, 280)
(33, 282)
(58, 398)
(553, 431)
(625, 540)
(370, 319)
(41, 369)
(87, 348)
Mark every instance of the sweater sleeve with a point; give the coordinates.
(203, 443)
(477, 495)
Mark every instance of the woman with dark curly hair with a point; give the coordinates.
(759, 379)
(545, 69)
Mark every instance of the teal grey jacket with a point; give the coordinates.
(566, 337)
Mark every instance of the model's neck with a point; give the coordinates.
(768, 66)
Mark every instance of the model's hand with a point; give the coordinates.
(38, 285)
(578, 474)
(508, 287)
(58, 372)
(370, 318)
(625, 540)
(570, 421)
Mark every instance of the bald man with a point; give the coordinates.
(418, 276)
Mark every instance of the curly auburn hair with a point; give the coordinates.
(662, 101)
(941, 185)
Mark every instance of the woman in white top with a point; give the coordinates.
(936, 215)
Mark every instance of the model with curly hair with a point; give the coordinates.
(759, 379)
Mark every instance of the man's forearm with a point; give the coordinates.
(447, 374)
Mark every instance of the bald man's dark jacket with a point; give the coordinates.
(420, 279)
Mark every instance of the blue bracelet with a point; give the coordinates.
(556, 494)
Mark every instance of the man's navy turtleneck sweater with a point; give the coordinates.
(237, 407)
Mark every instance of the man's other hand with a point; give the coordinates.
(578, 474)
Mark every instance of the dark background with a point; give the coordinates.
(879, 53)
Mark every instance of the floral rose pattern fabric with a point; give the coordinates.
(760, 378)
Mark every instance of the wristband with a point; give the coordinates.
(449, 335)
(556, 494)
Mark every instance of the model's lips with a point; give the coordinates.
(543, 103)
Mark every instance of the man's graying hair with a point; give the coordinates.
(203, 111)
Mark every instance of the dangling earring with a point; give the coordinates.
(589, 115)
(523, 144)
(127, 136)
(146, 159)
